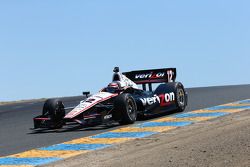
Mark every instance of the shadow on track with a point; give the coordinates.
(74, 127)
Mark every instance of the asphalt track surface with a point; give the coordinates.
(16, 119)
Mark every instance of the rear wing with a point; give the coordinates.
(152, 76)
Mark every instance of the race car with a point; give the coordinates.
(128, 96)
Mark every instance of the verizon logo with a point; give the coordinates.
(162, 99)
(150, 75)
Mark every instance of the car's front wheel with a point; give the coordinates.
(54, 109)
(125, 109)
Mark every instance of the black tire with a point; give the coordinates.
(54, 109)
(181, 98)
(125, 109)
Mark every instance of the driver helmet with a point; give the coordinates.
(113, 87)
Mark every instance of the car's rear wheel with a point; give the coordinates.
(125, 110)
(181, 98)
(54, 109)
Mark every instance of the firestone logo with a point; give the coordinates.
(150, 75)
(162, 99)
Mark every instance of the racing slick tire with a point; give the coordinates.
(125, 109)
(180, 93)
(181, 97)
(54, 109)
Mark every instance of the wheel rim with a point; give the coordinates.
(131, 110)
(181, 97)
(59, 111)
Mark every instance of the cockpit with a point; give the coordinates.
(113, 87)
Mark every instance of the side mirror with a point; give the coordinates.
(86, 94)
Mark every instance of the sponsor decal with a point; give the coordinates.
(108, 116)
(162, 99)
(167, 75)
(150, 75)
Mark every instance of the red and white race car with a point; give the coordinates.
(121, 101)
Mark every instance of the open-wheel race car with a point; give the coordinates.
(121, 101)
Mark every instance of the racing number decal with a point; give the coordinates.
(170, 75)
